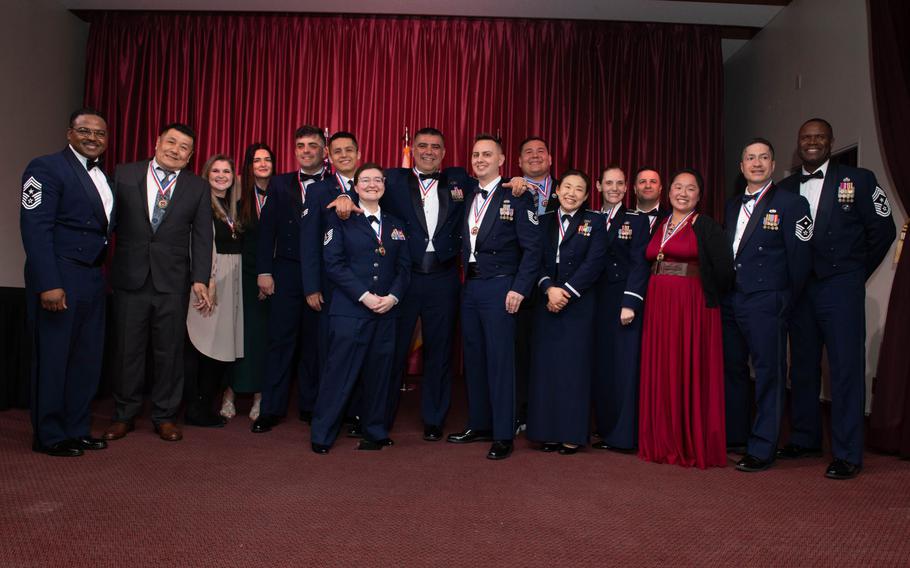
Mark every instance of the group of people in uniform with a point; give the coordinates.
(552, 297)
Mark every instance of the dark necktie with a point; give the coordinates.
(308, 177)
(165, 175)
(424, 177)
(350, 185)
(817, 174)
(96, 163)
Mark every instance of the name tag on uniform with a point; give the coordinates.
(397, 235)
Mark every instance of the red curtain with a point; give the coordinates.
(889, 425)
(598, 92)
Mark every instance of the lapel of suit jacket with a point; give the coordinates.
(827, 199)
(445, 197)
(88, 185)
(417, 200)
(760, 209)
(142, 194)
(491, 214)
(177, 196)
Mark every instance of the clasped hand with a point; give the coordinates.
(379, 304)
(557, 299)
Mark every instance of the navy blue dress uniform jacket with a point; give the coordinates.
(62, 219)
(279, 223)
(581, 254)
(508, 241)
(627, 239)
(355, 266)
(776, 237)
(314, 222)
(853, 225)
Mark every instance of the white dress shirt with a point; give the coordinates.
(100, 181)
(812, 189)
(745, 213)
(430, 206)
(475, 206)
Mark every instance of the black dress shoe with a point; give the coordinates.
(306, 416)
(356, 429)
(211, 420)
(88, 443)
(500, 450)
(565, 450)
(794, 451)
(751, 464)
(601, 445)
(320, 449)
(467, 436)
(264, 424)
(549, 447)
(374, 444)
(432, 433)
(842, 469)
(64, 449)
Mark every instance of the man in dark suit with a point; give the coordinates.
(430, 201)
(853, 230)
(646, 182)
(163, 248)
(768, 230)
(65, 222)
(293, 330)
(501, 248)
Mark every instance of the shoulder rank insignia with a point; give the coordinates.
(880, 202)
(804, 228)
(31, 193)
(771, 222)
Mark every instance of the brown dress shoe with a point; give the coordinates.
(169, 432)
(117, 430)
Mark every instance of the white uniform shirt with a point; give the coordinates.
(475, 206)
(100, 181)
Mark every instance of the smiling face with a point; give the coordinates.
(814, 144)
(310, 153)
(572, 192)
(173, 150)
(88, 135)
(486, 159)
(757, 164)
(262, 165)
(684, 193)
(534, 159)
(612, 186)
(429, 150)
(221, 177)
(647, 188)
(370, 186)
(344, 155)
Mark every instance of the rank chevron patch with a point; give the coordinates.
(31, 193)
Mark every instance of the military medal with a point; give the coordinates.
(506, 213)
(625, 231)
(585, 228)
(479, 211)
(846, 192)
(164, 192)
(162, 203)
(670, 232)
(771, 221)
(425, 189)
(381, 250)
(543, 190)
(474, 230)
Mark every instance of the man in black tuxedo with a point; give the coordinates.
(164, 243)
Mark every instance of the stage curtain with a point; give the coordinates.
(889, 44)
(598, 92)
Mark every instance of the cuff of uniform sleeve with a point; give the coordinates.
(362, 296)
(573, 290)
(264, 274)
(544, 283)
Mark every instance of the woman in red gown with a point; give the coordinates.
(681, 414)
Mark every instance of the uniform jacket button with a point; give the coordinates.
(375, 265)
(375, 277)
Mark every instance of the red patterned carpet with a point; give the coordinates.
(231, 498)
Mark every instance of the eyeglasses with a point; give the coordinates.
(376, 180)
(87, 132)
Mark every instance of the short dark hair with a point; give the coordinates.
(608, 167)
(430, 131)
(645, 168)
(309, 130)
(85, 111)
(365, 167)
(821, 120)
(758, 140)
(488, 136)
(574, 172)
(181, 128)
(342, 134)
(699, 181)
(533, 139)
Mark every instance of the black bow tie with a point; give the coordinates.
(483, 193)
(565, 217)
(308, 177)
(96, 163)
(651, 212)
(260, 191)
(424, 177)
(817, 174)
(747, 197)
(372, 219)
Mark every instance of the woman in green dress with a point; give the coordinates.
(258, 168)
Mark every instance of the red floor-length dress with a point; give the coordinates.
(681, 412)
